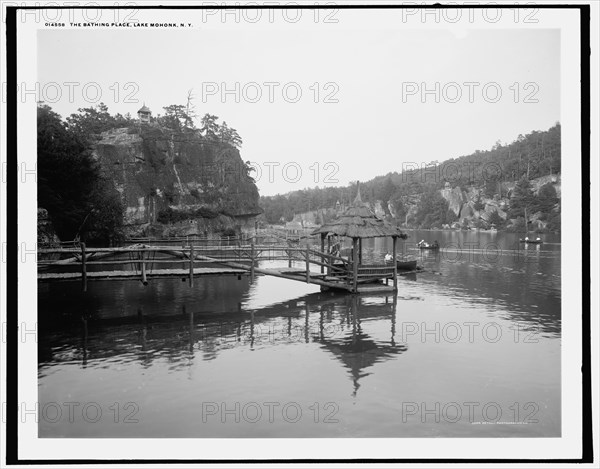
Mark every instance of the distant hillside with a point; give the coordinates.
(465, 190)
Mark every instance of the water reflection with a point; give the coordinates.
(332, 320)
(169, 348)
(358, 351)
(492, 270)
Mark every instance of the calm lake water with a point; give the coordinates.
(468, 348)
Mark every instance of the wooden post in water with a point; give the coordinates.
(191, 265)
(354, 265)
(83, 268)
(307, 264)
(143, 268)
(323, 252)
(394, 240)
(252, 260)
(306, 325)
(329, 261)
(360, 250)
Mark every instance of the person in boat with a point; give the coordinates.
(388, 257)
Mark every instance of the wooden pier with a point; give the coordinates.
(145, 262)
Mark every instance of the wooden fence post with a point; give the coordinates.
(329, 260)
(322, 251)
(252, 260)
(360, 250)
(307, 264)
(83, 268)
(142, 256)
(355, 265)
(394, 240)
(191, 265)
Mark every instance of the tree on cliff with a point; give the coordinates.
(176, 118)
(546, 198)
(95, 120)
(432, 209)
(523, 200)
(209, 126)
(496, 220)
(229, 135)
(70, 185)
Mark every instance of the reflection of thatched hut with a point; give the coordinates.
(358, 352)
(359, 222)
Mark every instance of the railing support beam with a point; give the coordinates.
(191, 264)
(83, 268)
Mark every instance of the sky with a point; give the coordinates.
(362, 110)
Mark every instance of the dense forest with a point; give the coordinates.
(529, 157)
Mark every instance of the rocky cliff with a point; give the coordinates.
(177, 183)
(469, 204)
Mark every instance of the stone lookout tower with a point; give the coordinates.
(144, 114)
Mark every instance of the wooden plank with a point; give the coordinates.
(315, 281)
(128, 274)
(374, 288)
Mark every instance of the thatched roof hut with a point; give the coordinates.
(359, 221)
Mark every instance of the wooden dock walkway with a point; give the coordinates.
(144, 263)
(130, 274)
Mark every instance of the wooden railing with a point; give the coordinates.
(145, 258)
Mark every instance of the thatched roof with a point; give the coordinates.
(359, 221)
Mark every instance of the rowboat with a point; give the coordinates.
(432, 247)
(531, 241)
(406, 265)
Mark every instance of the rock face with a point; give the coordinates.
(378, 209)
(455, 197)
(178, 180)
(469, 204)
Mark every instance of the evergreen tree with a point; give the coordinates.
(522, 200)
(496, 220)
